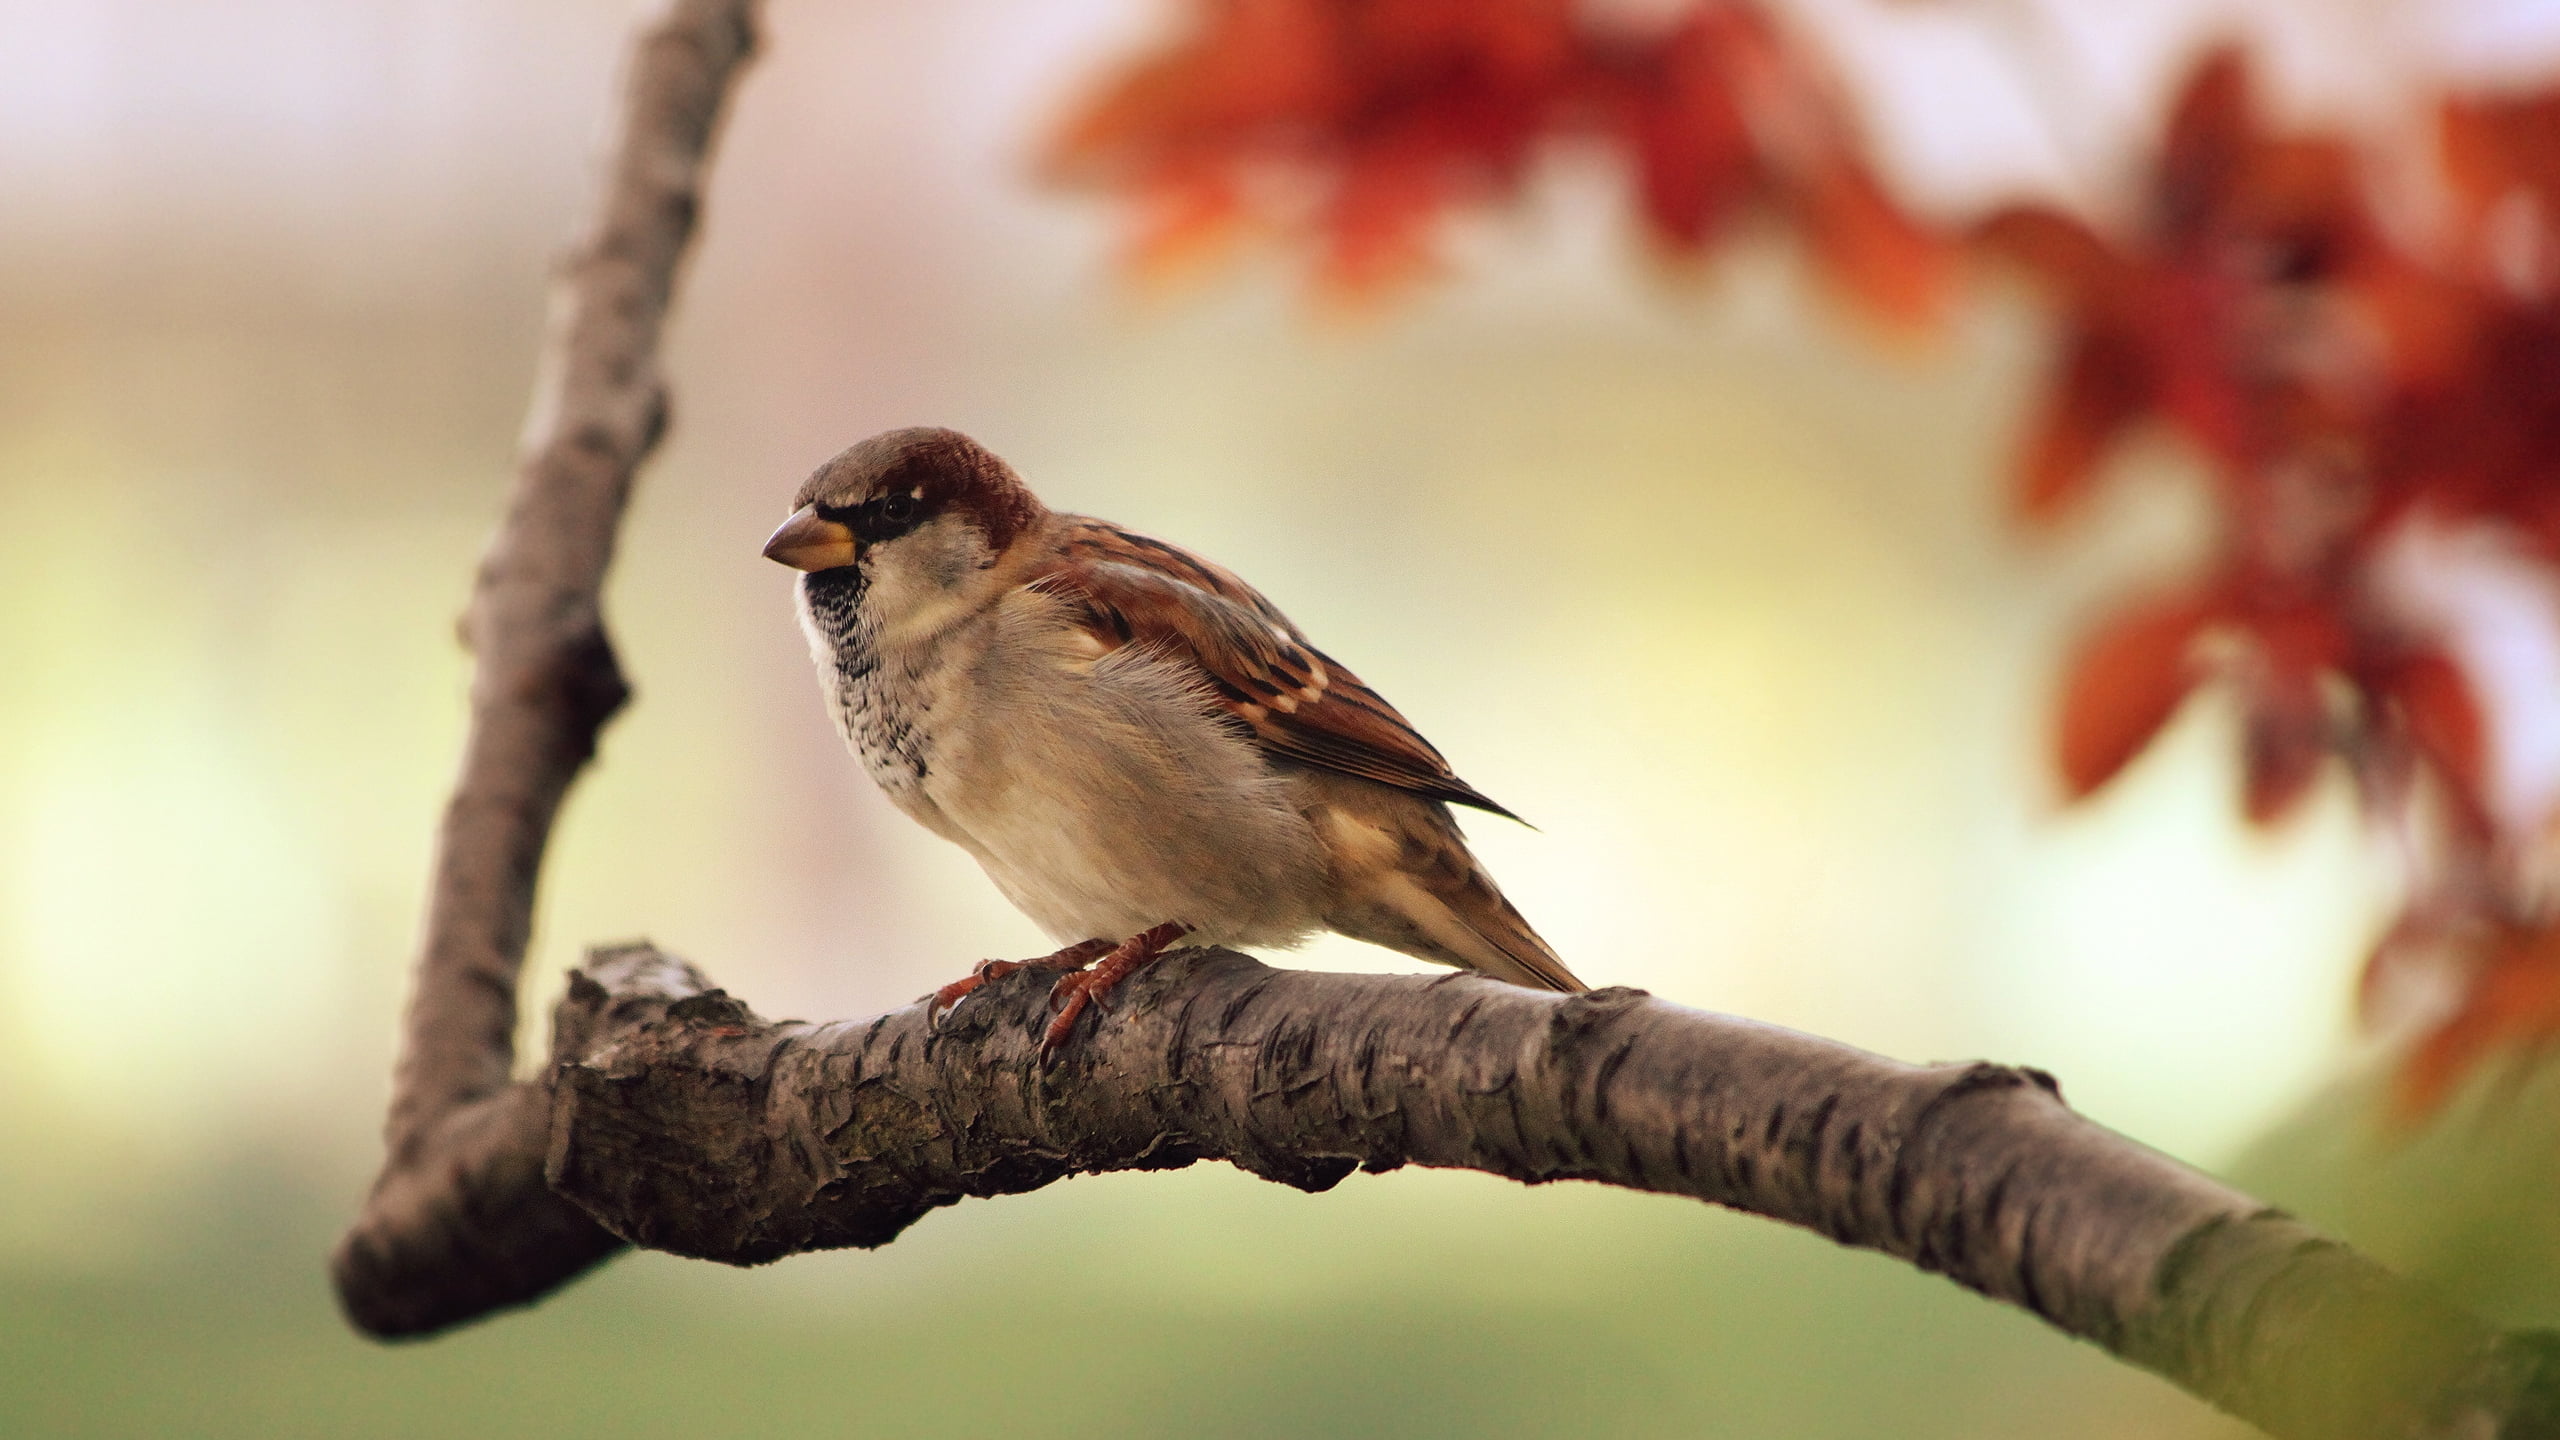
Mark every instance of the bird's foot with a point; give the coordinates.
(1080, 988)
(1074, 957)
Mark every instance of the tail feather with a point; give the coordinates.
(1456, 918)
(1407, 881)
(1531, 961)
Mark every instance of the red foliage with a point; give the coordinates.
(2345, 389)
(1365, 122)
(2130, 677)
(2436, 711)
(2513, 997)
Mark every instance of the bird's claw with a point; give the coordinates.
(1076, 991)
(939, 1004)
(1068, 1000)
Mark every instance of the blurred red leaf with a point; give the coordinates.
(2497, 150)
(2187, 326)
(1870, 250)
(2434, 700)
(1378, 224)
(2283, 741)
(2512, 996)
(1184, 219)
(2205, 146)
(2286, 731)
(1675, 107)
(1252, 62)
(2105, 387)
(2129, 677)
(2054, 247)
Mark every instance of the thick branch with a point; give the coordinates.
(685, 1123)
(545, 683)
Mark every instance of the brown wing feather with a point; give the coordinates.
(1297, 701)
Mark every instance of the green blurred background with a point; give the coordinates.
(1694, 573)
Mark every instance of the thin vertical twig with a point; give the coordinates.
(456, 1203)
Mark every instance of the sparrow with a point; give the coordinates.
(1135, 745)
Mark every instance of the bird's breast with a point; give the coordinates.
(1097, 787)
(885, 707)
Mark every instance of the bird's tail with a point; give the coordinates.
(1510, 949)
(1408, 882)
(1460, 920)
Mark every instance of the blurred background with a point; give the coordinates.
(1689, 569)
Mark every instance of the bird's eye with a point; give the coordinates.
(898, 509)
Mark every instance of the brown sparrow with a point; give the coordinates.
(1135, 745)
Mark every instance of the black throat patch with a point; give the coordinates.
(876, 711)
(835, 601)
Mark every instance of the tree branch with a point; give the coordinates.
(459, 1221)
(683, 1122)
(673, 1117)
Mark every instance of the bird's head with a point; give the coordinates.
(906, 521)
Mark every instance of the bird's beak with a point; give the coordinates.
(810, 541)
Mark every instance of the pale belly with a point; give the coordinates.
(1103, 798)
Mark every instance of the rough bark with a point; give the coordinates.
(672, 1117)
(683, 1122)
(458, 1220)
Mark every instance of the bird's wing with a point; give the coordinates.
(1131, 590)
